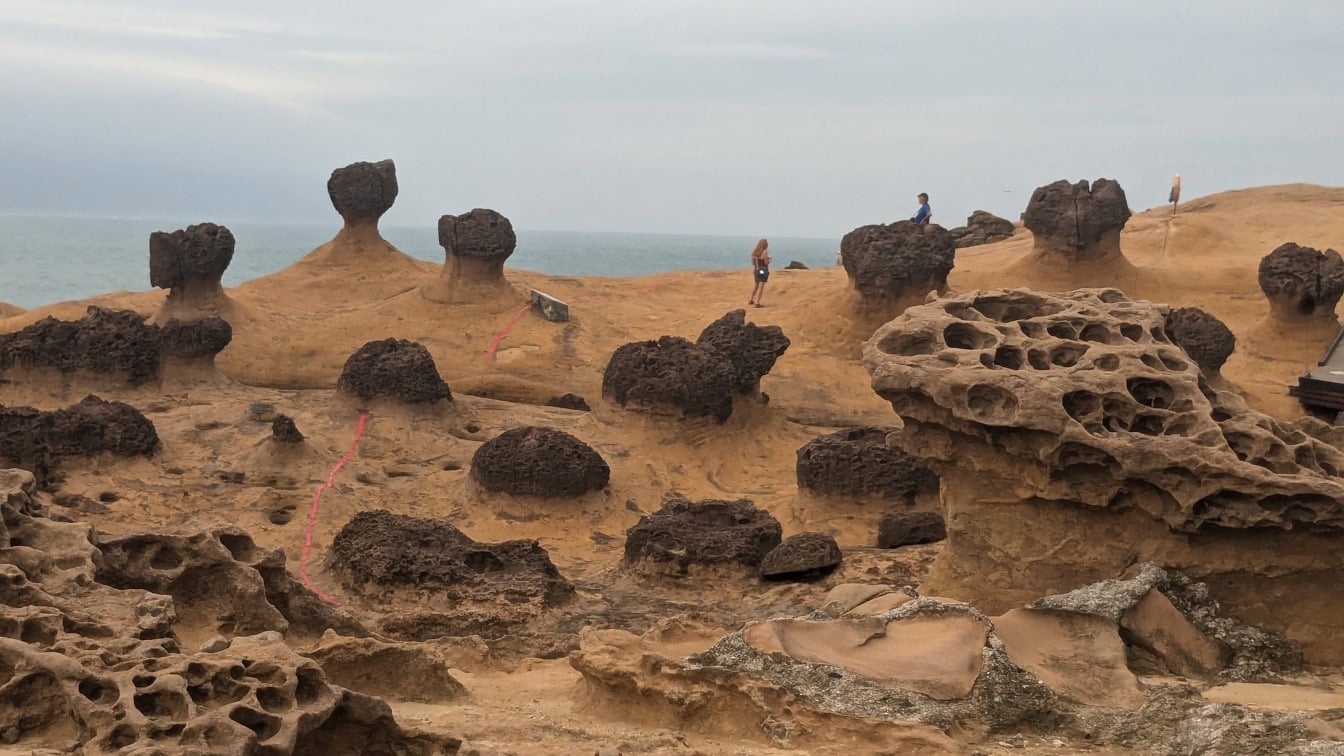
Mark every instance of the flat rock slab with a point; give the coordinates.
(549, 307)
(938, 656)
(1161, 627)
(1079, 656)
(1278, 697)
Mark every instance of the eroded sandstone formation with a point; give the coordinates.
(535, 461)
(113, 343)
(1077, 223)
(189, 263)
(670, 376)
(569, 401)
(362, 192)
(684, 534)
(394, 369)
(859, 462)
(1073, 437)
(751, 349)
(39, 441)
(475, 246)
(1301, 283)
(897, 529)
(378, 550)
(98, 669)
(896, 265)
(805, 556)
(1207, 340)
(982, 228)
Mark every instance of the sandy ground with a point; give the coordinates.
(293, 331)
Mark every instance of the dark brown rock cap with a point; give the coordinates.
(751, 349)
(897, 529)
(395, 369)
(478, 235)
(1207, 340)
(805, 556)
(196, 254)
(362, 192)
(37, 441)
(897, 261)
(710, 532)
(858, 462)
(1302, 282)
(534, 461)
(982, 227)
(1076, 216)
(671, 373)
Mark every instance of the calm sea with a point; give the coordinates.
(45, 260)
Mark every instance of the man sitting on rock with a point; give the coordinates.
(925, 214)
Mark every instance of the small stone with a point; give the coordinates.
(261, 412)
(283, 430)
(215, 645)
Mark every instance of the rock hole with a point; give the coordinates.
(239, 545)
(274, 700)
(1098, 333)
(1106, 362)
(37, 633)
(120, 737)
(165, 704)
(1306, 305)
(472, 428)
(1111, 296)
(967, 336)
(1152, 362)
(142, 681)
(196, 673)
(1148, 425)
(1062, 331)
(1150, 392)
(99, 691)
(1081, 404)
(1008, 357)
(1172, 364)
(908, 344)
(165, 559)
(280, 516)
(483, 561)
(1180, 425)
(1159, 334)
(264, 725)
(1037, 359)
(1007, 310)
(1131, 331)
(991, 403)
(309, 687)
(267, 673)
(1067, 355)
(1031, 330)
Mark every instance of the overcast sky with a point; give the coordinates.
(761, 117)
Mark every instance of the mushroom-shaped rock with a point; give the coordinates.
(896, 265)
(673, 376)
(705, 533)
(535, 461)
(190, 263)
(802, 557)
(796, 265)
(570, 402)
(379, 549)
(202, 338)
(103, 342)
(859, 462)
(362, 192)
(37, 441)
(897, 529)
(1302, 283)
(475, 245)
(1077, 222)
(1204, 337)
(394, 369)
(284, 431)
(1046, 416)
(751, 349)
(982, 228)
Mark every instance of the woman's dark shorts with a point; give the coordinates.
(762, 275)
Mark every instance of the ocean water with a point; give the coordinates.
(46, 259)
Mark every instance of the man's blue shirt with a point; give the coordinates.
(923, 213)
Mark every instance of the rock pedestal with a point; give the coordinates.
(1302, 284)
(189, 263)
(475, 246)
(895, 266)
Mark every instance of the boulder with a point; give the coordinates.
(39, 441)
(377, 550)
(805, 556)
(189, 263)
(1051, 415)
(859, 462)
(671, 376)
(897, 529)
(534, 461)
(751, 349)
(475, 244)
(896, 265)
(394, 369)
(284, 431)
(795, 265)
(362, 192)
(1301, 283)
(712, 532)
(1077, 223)
(570, 402)
(1203, 337)
(982, 228)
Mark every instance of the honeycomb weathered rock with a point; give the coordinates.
(395, 369)
(535, 461)
(704, 533)
(1302, 283)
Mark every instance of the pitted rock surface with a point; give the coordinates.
(195, 255)
(1078, 221)
(569, 401)
(1207, 340)
(982, 228)
(37, 441)
(285, 431)
(802, 557)
(859, 462)
(897, 529)
(1302, 282)
(362, 192)
(671, 375)
(195, 339)
(98, 669)
(394, 369)
(478, 235)
(710, 532)
(380, 549)
(535, 461)
(897, 263)
(103, 341)
(751, 349)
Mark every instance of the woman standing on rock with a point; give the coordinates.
(760, 267)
